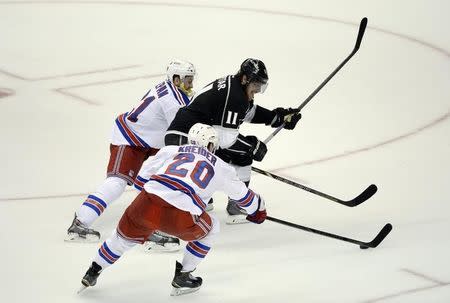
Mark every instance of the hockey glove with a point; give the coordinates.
(258, 149)
(260, 214)
(288, 116)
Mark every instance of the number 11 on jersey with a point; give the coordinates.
(232, 117)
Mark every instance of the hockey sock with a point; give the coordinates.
(94, 205)
(195, 251)
(112, 249)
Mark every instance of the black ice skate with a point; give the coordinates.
(183, 282)
(236, 215)
(160, 242)
(78, 232)
(90, 278)
(210, 205)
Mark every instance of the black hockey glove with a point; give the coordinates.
(258, 149)
(288, 116)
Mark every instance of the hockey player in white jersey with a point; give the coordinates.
(183, 179)
(136, 135)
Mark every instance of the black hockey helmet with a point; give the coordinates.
(255, 70)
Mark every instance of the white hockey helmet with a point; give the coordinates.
(204, 135)
(180, 68)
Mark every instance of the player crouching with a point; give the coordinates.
(173, 201)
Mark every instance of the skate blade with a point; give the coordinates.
(209, 207)
(77, 239)
(151, 247)
(236, 219)
(183, 291)
(82, 288)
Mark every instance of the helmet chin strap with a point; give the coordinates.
(211, 147)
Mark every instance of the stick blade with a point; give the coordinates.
(362, 29)
(380, 237)
(365, 195)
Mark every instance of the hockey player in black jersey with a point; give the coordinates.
(225, 104)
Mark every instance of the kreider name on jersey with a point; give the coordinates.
(198, 150)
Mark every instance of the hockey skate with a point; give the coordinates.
(235, 214)
(183, 282)
(161, 242)
(210, 205)
(78, 232)
(90, 278)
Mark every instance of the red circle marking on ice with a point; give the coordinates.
(5, 92)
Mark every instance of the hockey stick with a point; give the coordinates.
(365, 195)
(363, 245)
(362, 28)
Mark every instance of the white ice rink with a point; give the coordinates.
(67, 68)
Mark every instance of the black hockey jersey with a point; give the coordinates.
(223, 102)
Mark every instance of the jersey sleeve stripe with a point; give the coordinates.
(176, 93)
(247, 200)
(139, 182)
(181, 186)
(185, 98)
(128, 134)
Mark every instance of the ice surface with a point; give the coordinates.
(383, 119)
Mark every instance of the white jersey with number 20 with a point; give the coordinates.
(187, 176)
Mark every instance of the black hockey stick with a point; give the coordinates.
(363, 245)
(366, 194)
(362, 28)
